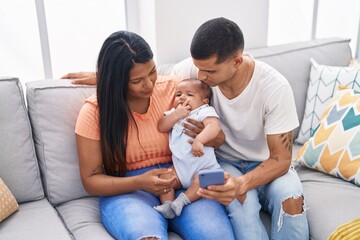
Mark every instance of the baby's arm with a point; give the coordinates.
(166, 122)
(210, 132)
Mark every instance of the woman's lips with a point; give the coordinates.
(147, 92)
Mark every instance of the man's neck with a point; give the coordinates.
(235, 86)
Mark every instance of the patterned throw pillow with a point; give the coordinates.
(8, 204)
(324, 81)
(335, 146)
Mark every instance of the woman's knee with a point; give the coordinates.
(193, 222)
(132, 216)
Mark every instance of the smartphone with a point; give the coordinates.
(211, 177)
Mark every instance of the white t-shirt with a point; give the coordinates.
(265, 107)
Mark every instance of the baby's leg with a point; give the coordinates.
(185, 198)
(167, 198)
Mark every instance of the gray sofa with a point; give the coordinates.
(38, 158)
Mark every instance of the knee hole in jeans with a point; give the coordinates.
(293, 206)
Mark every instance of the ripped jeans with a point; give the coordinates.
(245, 217)
(132, 216)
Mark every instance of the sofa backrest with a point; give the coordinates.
(293, 61)
(53, 109)
(18, 164)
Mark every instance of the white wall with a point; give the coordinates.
(20, 49)
(168, 25)
(75, 39)
(76, 31)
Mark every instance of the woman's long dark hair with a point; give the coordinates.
(117, 56)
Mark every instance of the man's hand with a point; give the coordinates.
(224, 194)
(241, 198)
(81, 78)
(193, 127)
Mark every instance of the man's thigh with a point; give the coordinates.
(231, 169)
(284, 187)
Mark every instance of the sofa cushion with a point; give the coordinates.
(18, 163)
(8, 204)
(324, 81)
(331, 201)
(82, 218)
(35, 220)
(334, 147)
(53, 109)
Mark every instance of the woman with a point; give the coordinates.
(121, 152)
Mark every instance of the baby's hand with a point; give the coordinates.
(183, 109)
(197, 148)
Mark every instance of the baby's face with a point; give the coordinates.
(189, 91)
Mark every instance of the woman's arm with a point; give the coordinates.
(97, 183)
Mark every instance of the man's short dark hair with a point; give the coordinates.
(218, 37)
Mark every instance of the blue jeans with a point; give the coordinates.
(132, 216)
(245, 217)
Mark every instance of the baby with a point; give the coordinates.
(189, 155)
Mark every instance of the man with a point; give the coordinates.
(258, 115)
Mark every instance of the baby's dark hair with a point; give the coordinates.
(205, 89)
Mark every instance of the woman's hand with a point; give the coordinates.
(150, 181)
(193, 128)
(81, 78)
(224, 194)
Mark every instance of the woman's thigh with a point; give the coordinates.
(132, 216)
(203, 219)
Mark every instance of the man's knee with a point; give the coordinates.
(293, 206)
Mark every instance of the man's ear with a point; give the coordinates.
(238, 59)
